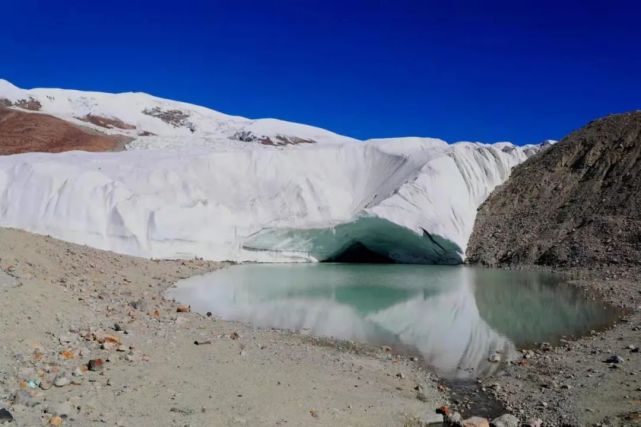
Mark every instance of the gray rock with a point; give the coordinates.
(432, 419)
(533, 422)
(494, 358)
(614, 359)
(5, 416)
(505, 420)
(61, 381)
(7, 281)
(454, 419)
(421, 396)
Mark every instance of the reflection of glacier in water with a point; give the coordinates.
(454, 316)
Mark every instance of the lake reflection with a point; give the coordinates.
(454, 316)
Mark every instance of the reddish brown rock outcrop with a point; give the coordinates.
(22, 132)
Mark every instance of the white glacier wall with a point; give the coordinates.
(265, 204)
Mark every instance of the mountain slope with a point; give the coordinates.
(145, 118)
(577, 203)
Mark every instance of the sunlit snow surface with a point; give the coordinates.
(196, 190)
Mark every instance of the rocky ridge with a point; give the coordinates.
(575, 204)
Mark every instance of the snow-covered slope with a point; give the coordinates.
(216, 187)
(145, 118)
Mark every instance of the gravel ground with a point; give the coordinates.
(572, 384)
(87, 339)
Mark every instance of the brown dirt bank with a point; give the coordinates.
(22, 132)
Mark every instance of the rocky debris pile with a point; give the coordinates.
(29, 103)
(452, 418)
(574, 204)
(175, 118)
(67, 360)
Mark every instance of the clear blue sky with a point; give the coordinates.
(476, 70)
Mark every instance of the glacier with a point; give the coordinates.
(230, 188)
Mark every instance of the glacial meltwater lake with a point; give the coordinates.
(455, 317)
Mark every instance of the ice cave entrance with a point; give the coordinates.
(464, 322)
(364, 240)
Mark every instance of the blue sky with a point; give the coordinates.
(474, 70)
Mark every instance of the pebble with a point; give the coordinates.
(614, 359)
(109, 345)
(453, 419)
(7, 281)
(505, 420)
(61, 381)
(494, 358)
(476, 422)
(183, 309)
(95, 365)
(5, 416)
(55, 421)
(432, 418)
(421, 396)
(533, 422)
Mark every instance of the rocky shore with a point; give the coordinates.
(591, 381)
(88, 339)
